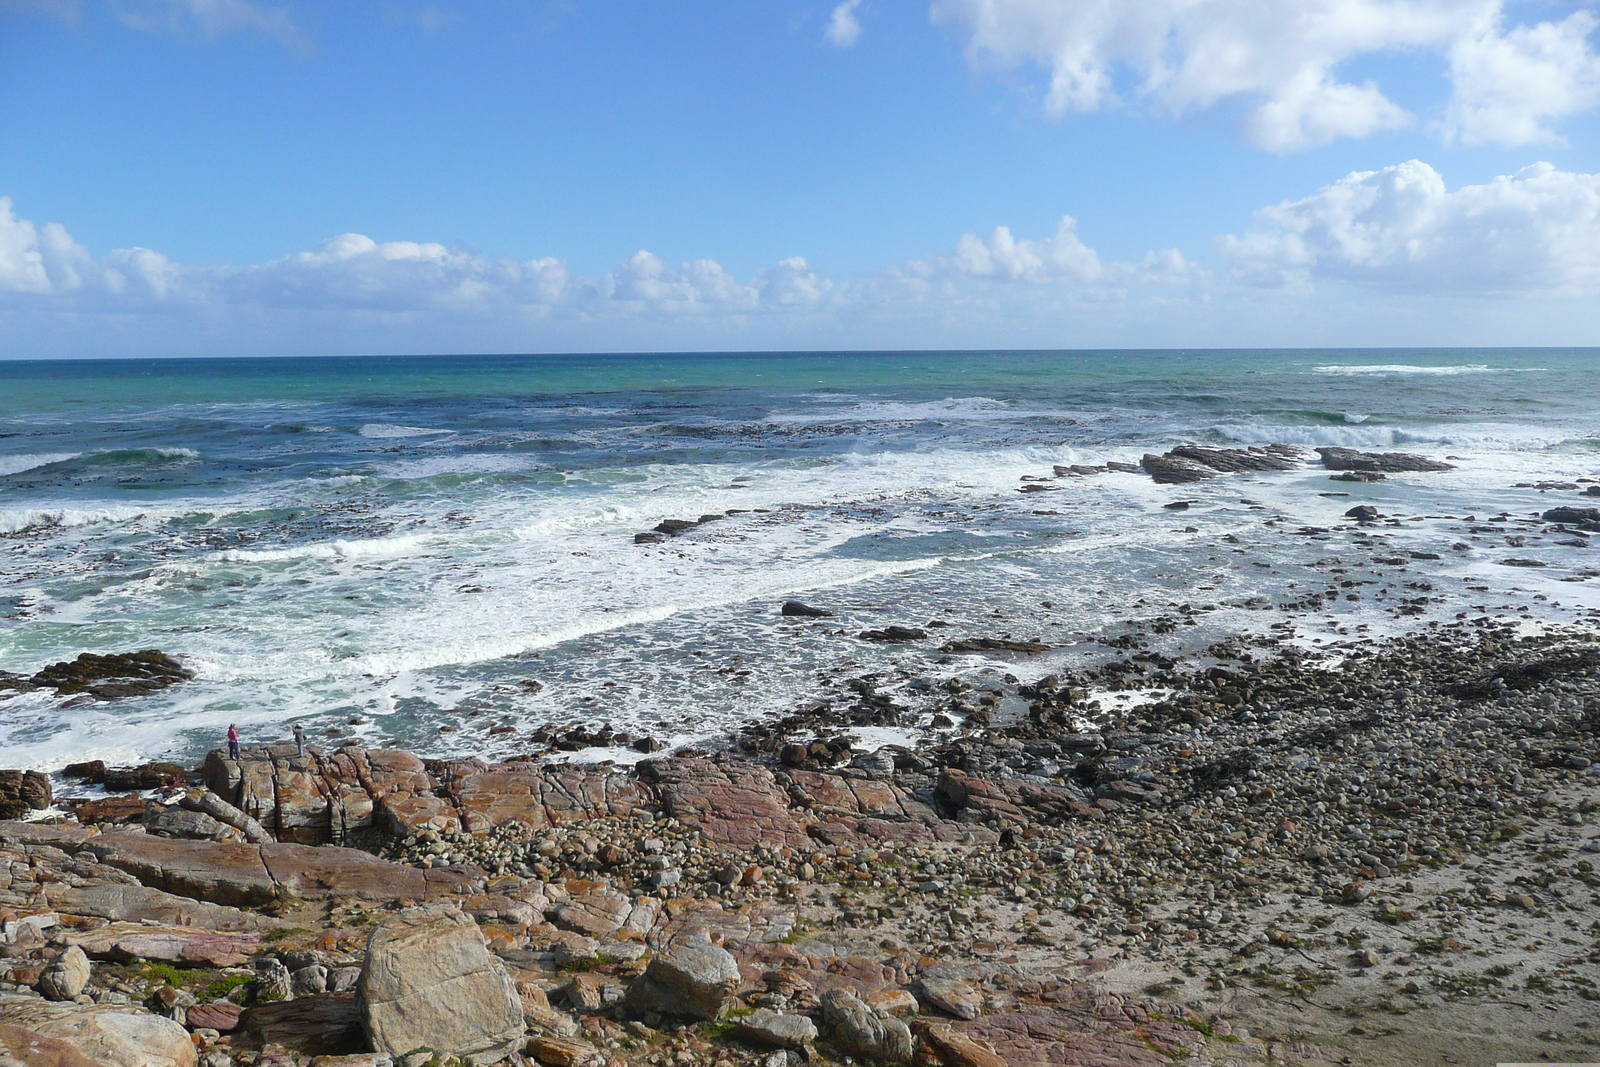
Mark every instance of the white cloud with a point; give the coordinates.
(1284, 57)
(1509, 83)
(1400, 229)
(208, 19)
(1060, 258)
(844, 29)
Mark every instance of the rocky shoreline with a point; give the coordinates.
(1256, 856)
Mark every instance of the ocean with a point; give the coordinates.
(439, 553)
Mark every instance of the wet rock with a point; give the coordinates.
(115, 676)
(994, 644)
(795, 609)
(66, 976)
(430, 981)
(1174, 470)
(893, 634)
(92, 771)
(1235, 460)
(1363, 513)
(145, 776)
(22, 792)
(1349, 459)
(674, 527)
(1573, 516)
(689, 978)
(858, 1029)
(1358, 476)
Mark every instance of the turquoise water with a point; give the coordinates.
(408, 541)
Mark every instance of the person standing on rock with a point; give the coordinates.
(233, 741)
(300, 738)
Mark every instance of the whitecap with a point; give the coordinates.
(10, 465)
(384, 430)
(1354, 369)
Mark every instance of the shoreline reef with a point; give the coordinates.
(1275, 858)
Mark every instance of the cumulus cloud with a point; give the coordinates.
(206, 19)
(1061, 259)
(844, 29)
(1401, 229)
(352, 280)
(1508, 80)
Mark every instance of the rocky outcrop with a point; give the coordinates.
(1194, 463)
(1174, 470)
(125, 942)
(243, 875)
(22, 792)
(733, 804)
(107, 1035)
(1235, 460)
(1349, 459)
(430, 981)
(1587, 518)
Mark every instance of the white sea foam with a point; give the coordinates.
(16, 520)
(1357, 369)
(17, 464)
(386, 430)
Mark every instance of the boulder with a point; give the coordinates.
(767, 1027)
(219, 1015)
(430, 982)
(1363, 513)
(105, 1034)
(858, 1029)
(25, 1048)
(325, 1025)
(66, 976)
(689, 977)
(795, 609)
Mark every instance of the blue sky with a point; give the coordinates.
(173, 170)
